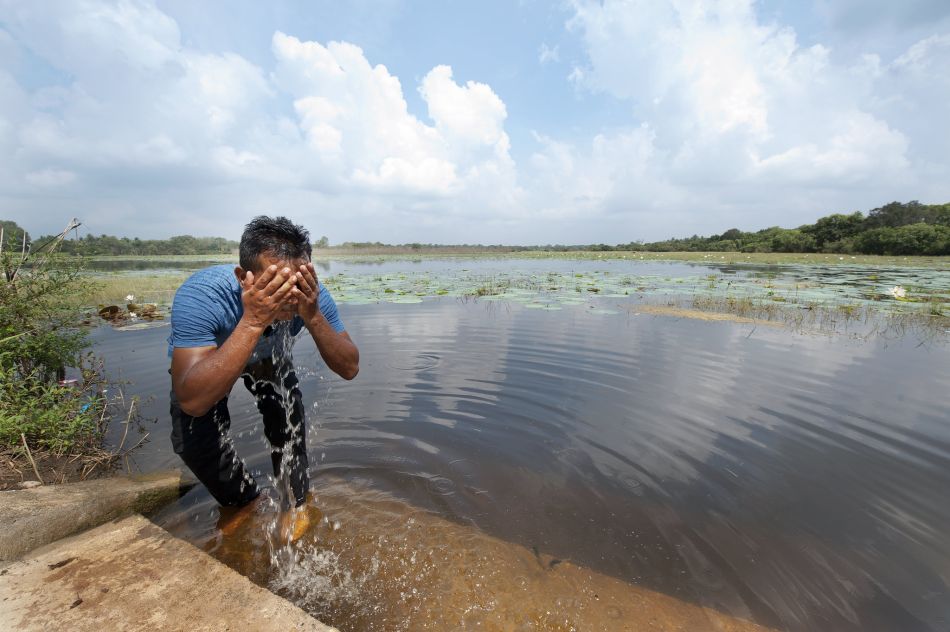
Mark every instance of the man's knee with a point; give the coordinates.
(202, 444)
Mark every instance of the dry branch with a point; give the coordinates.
(29, 455)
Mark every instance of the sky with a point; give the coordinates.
(487, 122)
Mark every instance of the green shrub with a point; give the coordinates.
(49, 415)
(830, 232)
(912, 239)
(39, 339)
(792, 240)
(843, 246)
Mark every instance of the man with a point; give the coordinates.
(242, 322)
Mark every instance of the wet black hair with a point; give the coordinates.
(276, 236)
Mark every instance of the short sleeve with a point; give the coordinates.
(193, 322)
(329, 311)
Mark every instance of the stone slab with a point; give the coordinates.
(30, 518)
(132, 575)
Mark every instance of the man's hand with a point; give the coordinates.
(307, 293)
(264, 296)
(336, 347)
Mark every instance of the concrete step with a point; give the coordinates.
(30, 518)
(132, 575)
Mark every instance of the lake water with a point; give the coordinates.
(495, 466)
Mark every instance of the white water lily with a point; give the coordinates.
(130, 298)
(897, 292)
(133, 315)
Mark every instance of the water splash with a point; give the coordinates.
(318, 581)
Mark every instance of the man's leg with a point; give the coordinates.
(275, 389)
(204, 444)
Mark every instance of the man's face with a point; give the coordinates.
(289, 309)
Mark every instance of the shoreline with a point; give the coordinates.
(713, 257)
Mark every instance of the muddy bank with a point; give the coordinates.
(17, 472)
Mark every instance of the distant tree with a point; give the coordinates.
(897, 214)
(323, 242)
(723, 245)
(913, 239)
(732, 233)
(793, 240)
(13, 236)
(834, 229)
(942, 214)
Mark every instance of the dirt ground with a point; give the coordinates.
(15, 467)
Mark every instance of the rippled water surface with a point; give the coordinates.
(500, 467)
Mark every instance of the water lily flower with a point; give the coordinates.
(133, 315)
(897, 292)
(130, 297)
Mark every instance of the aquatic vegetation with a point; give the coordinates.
(112, 288)
(858, 319)
(732, 258)
(847, 289)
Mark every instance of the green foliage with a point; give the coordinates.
(844, 246)
(108, 245)
(48, 414)
(724, 245)
(37, 319)
(732, 234)
(896, 214)
(893, 229)
(38, 340)
(793, 240)
(13, 236)
(942, 214)
(834, 229)
(913, 239)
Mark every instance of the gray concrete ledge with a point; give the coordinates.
(30, 518)
(132, 575)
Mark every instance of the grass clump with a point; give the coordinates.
(861, 320)
(112, 289)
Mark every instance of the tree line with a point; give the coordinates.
(898, 228)
(108, 245)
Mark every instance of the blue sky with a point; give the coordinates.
(452, 122)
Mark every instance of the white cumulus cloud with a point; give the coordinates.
(730, 121)
(746, 124)
(166, 126)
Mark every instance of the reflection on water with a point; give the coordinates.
(791, 480)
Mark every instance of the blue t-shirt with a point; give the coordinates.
(207, 308)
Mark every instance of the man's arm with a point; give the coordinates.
(202, 376)
(336, 348)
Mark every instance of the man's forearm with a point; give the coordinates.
(340, 354)
(211, 378)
